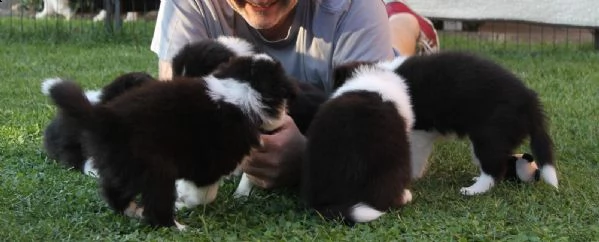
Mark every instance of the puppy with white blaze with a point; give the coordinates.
(200, 58)
(470, 96)
(357, 161)
(197, 129)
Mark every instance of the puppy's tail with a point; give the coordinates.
(70, 99)
(358, 213)
(541, 144)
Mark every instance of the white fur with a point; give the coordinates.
(393, 64)
(180, 227)
(421, 147)
(47, 84)
(407, 196)
(362, 213)
(190, 196)
(525, 169)
(244, 188)
(52, 7)
(93, 96)
(482, 185)
(134, 211)
(235, 92)
(131, 16)
(389, 85)
(237, 45)
(262, 56)
(243, 96)
(89, 168)
(100, 16)
(549, 175)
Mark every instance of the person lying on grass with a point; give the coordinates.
(309, 37)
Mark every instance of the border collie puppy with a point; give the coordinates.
(357, 162)
(465, 94)
(200, 58)
(194, 129)
(62, 138)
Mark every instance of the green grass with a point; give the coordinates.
(40, 200)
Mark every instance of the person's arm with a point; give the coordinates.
(178, 23)
(363, 34)
(278, 162)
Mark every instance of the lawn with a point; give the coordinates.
(40, 200)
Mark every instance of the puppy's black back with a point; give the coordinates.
(63, 140)
(174, 119)
(458, 92)
(357, 152)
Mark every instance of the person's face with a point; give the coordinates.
(263, 14)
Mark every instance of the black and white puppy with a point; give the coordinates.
(357, 161)
(200, 58)
(62, 137)
(194, 129)
(470, 96)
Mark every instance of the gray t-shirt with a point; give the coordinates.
(324, 33)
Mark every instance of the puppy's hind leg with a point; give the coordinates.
(158, 197)
(492, 153)
(421, 146)
(119, 199)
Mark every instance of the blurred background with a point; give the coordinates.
(462, 24)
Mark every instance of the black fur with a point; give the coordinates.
(305, 105)
(200, 58)
(147, 138)
(465, 94)
(357, 151)
(62, 137)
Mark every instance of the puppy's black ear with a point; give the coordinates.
(345, 71)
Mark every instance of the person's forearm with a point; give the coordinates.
(165, 70)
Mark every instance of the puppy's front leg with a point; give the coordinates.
(244, 188)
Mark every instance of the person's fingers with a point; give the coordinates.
(259, 160)
(270, 142)
(262, 183)
(258, 171)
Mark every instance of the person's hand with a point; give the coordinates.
(278, 162)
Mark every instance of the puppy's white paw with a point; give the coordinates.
(180, 227)
(244, 188)
(407, 196)
(90, 169)
(482, 185)
(134, 211)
